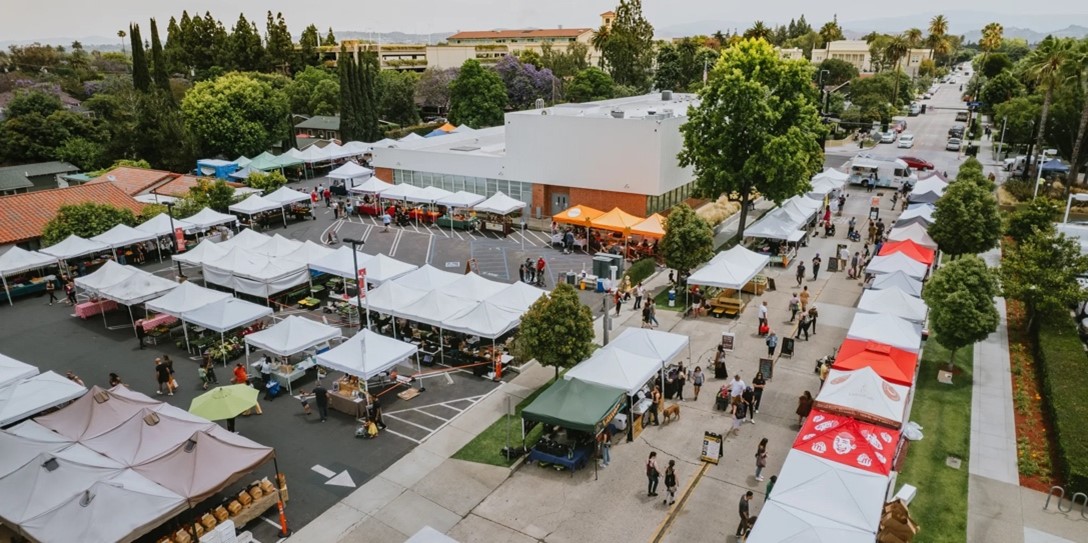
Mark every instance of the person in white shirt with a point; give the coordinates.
(736, 388)
(844, 256)
(763, 314)
(266, 370)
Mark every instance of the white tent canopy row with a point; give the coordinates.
(123, 236)
(787, 222)
(864, 395)
(730, 269)
(350, 170)
(897, 262)
(292, 335)
(631, 360)
(371, 186)
(913, 232)
(206, 250)
(18, 260)
(12, 370)
(73, 246)
(379, 268)
(500, 204)
(208, 217)
(894, 301)
(226, 314)
(163, 225)
(287, 195)
(888, 329)
(898, 280)
(255, 274)
(32, 395)
(188, 296)
(255, 204)
(367, 354)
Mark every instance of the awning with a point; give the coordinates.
(894, 365)
(12, 370)
(255, 204)
(848, 441)
(278, 246)
(616, 220)
(486, 320)
(652, 227)
(248, 238)
(574, 404)
(74, 246)
(286, 195)
(18, 260)
(898, 280)
(500, 204)
(617, 369)
(474, 287)
(292, 335)
(109, 274)
(122, 235)
(885, 328)
(32, 395)
(427, 195)
(897, 262)
(909, 248)
(461, 199)
(308, 253)
(137, 288)
(657, 344)
(436, 308)
(427, 278)
(206, 250)
(379, 268)
(578, 215)
(914, 232)
(400, 192)
(519, 296)
(730, 269)
(864, 395)
(371, 186)
(366, 354)
(350, 170)
(188, 296)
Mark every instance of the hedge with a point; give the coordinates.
(639, 271)
(1064, 366)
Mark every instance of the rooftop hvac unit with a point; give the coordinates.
(666, 95)
(539, 104)
(617, 113)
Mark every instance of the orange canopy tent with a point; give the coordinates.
(652, 227)
(578, 215)
(447, 127)
(616, 220)
(910, 248)
(891, 364)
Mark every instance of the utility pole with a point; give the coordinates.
(607, 322)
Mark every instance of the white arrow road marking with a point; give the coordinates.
(344, 479)
(323, 471)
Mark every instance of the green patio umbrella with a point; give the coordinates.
(224, 402)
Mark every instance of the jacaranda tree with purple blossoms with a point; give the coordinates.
(525, 82)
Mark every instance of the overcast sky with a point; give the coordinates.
(22, 20)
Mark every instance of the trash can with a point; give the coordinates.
(571, 277)
(600, 284)
(672, 297)
(600, 265)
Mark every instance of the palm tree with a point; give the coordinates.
(758, 30)
(121, 34)
(991, 39)
(894, 52)
(938, 26)
(1077, 70)
(1045, 65)
(598, 41)
(913, 37)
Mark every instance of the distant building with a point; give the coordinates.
(30, 177)
(791, 53)
(324, 127)
(614, 153)
(134, 181)
(854, 52)
(393, 56)
(25, 215)
(913, 61)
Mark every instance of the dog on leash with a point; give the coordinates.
(672, 411)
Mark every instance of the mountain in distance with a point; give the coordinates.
(1031, 36)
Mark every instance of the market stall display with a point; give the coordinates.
(732, 269)
(497, 210)
(864, 395)
(583, 409)
(367, 354)
(848, 441)
(17, 260)
(460, 200)
(225, 315)
(897, 280)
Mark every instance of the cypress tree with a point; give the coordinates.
(141, 77)
(158, 61)
(347, 110)
(368, 128)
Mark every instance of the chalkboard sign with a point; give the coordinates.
(712, 447)
(787, 347)
(766, 365)
(728, 341)
(770, 283)
(833, 264)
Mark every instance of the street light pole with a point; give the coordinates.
(358, 283)
(173, 233)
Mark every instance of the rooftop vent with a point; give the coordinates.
(666, 95)
(465, 148)
(617, 113)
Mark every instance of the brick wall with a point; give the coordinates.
(385, 174)
(604, 200)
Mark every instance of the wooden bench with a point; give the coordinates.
(726, 306)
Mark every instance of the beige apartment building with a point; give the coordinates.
(857, 53)
(791, 53)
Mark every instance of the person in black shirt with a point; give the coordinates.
(758, 383)
(743, 510)
(162, 377)
(321, 399)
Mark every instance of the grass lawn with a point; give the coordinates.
(944, 412)
(662, 300)
(486, 448)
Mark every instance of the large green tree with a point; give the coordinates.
(1045, 66)
(279, 47)
(236, 114)
(164, 139)
(398, 97)
(247, 53)
(159, 72)
(961, 306)
(477, 97)
(346, 66)
(688, 241)
(1042, 272)
(308, 43)
(1077, 75)
(966, 220)
(309, 92)
(627, 50)
(368, 99)
(838, 71)
(831, 31)
(141, 76)
(756, 128)
(557, 330)
(213, 193)
(174, 50)
(84, 220)
(591, 84)
(433, 88)
(1034, 217)
(1000, 89)
(37, 126)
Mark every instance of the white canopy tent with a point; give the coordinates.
(922, 213)
(278, 246)
(12, 370)
(864, 395)
(308, 253)
(461, 199)
(391, 296)
(436, 308)
(350, 170)
(885, 328)
(206, 250)
(898, 280)
(617, 369)
(258, 204)
(474, 287)
(367, 354)
(160, 225)
(292, 335)
(427, 278)
(897, 262)
(73, 246)
(246, 239)
(486, 320)
(832, 173)
(384, 143)
(924, 197)
(371, 186)
(500, 204)
(894, 301)
(379, 268)
(110, 273)
(913, 232)
(137, 288)
(519, 296)
(428, 195)
(930, 184)
(255, 274)
(402, 191)
(777, 224)
(287, 195)
(226, 314)
(18, 260)
(208, 217)
(123, 235)
(778, 523)
(188, 296)
(822, 186)
(33, 395)
(830, 490)
(730, 269)
(356, 148)
(664, 346)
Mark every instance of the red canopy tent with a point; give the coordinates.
(848, 441)
(910, 248)
(891, 364)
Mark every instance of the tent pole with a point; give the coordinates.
(631, 422)
(284, 530)
(223, 340)
(6, 289)
(133, 319)
(185, 330)
(419, 370)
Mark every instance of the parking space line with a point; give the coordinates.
(396, 243)
(409, 422)
(398, 434)
(430, 249)
(432, 415)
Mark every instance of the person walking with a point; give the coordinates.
(376, 412)
(266, 370)
(670, 483)
(800, 272)
(825, 368)
(653, 314)
(742, 528)
(761, 459)
(617, 300)
(162, 377)
(604, 441)
(772, 343)
(321, 399)
(70, 292)
(763, 314)
(530, 277)
(844, 255)
(749, 397)
(854, 261)
(872, 232)
(540, 271)
(816, 261)
(812, 314)
(795, 306)
(327, 195)
(758, 384)
(697, 381)
(770, 486)
(740, 411)
(804, 297)
(655, 398)
(802, 327)
(51, 289)
(681, 380)
(804, 407)
(140, 333)
(640, 292)
(646, 316)
(521, 272)
(652, 474)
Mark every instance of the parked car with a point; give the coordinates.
(915, 109)
(916, 163)
(888, 137)
(906, 141)
(961, 115)
(927, 96)
(956, 131)
(953, 144)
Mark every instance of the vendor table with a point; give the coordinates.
(369, 209)
(356, 407)
(575, 461)
(34, 285)
(297, 372)
(162, 319)
(497, 226)
(90, 309)
(425, 216)
(460, 224)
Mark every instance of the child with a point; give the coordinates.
(305, 400)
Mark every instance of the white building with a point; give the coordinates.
(614, 153)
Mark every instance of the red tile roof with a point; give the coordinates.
(133, 181)
(508, 34)
(181, 185)
(24, 215)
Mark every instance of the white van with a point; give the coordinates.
(883, 172)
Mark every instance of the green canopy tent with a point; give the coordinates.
(575, 405)
(267, 161)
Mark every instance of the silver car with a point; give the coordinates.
(953, 144)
